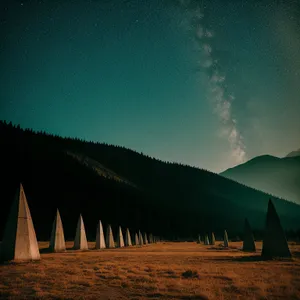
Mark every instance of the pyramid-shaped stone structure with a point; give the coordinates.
(120, 240)
(206, 240)
(19, 241)
(274, 242)
(199, 239)
(127, 238)
(226, 244)
(248, 239)
(141, 241)
(145, 238)
(150, 238)
(110, 243)
(136, 239)
(213, 240)
(57, 240)
(80, 242)
(100, 241)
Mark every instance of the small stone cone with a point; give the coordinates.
(206, 240)
(57, 240)
(80, 242)
(225, 239)
(151, 238)
(110, 243)
(120, 240)
(199, 239)
(248, 239)
(19, 241)
(128, 238)
(100, 241)
(274, 242)
(136, 239)
(145, 238)
(141, 242)
(213, 240)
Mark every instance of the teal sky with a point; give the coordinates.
(127, 73)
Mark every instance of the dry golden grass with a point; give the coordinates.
(157, 271)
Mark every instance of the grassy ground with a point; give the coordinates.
(157, 271)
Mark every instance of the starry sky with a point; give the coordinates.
(205, 83)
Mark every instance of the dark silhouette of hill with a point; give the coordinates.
(278, 176)
(122, 187)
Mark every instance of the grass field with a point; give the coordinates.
(156, 271)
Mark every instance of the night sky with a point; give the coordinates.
(206, 83)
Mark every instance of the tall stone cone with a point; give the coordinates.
(199, 239)
(57, 240)
(19, 241)
(213, 240)
(248, 239)
(120, 240)
(145, 238)
(128, 238)
(136, 239)
(100, 241)
(141, 242)
(80, 242)
(110, 243)
(274, 242)
(225, 239)
(206, 240)
(151, 238)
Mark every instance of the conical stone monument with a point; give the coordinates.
(19, 241)
(213, 240)
(145, 238)
(151, 238)
(136, 239)
(57, 240)
(127, 238)
(100, 241)
(141, 242)
(199, 239)
(274, 242)
(225, 239)
(80, 242)
(120, 240)
(248, 239)
(206, 240)
(110, 243)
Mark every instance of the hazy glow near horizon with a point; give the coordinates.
(205, 83)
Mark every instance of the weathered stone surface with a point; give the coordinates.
(136, 239)
(226, 244)
(128, 238)
(100, 241)
(213, 240)
(120, 240)
(274, 242)
(110, 243)
(57, 240)
(141, 241)
(19, 241)
(80, 242)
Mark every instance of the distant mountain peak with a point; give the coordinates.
(294, 153)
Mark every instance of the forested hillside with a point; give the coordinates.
(122, 187)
